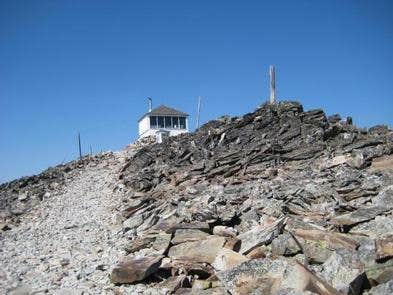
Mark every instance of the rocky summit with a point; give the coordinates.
(278, 201)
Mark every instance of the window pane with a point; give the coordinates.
(182, 122)
(160, 122)
(175, 122)
(153, 122)
(168, 122)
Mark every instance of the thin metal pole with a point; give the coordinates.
(91, 151)
(198, 112)
(79, 144)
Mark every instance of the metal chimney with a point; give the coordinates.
(272, 73)
(150, 103)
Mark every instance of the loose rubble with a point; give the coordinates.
(278, 201)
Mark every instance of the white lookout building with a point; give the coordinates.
(161, 122)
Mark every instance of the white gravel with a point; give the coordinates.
(70, 241)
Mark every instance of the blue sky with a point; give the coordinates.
(89, 66)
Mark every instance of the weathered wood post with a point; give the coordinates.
(79, 145)
(272, 74)
(198, 112)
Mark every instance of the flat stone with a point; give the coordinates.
(232, 243)
(201, 285)
(172, 284)
(200, 251)
(334, 240)
(210, 291)
(302, 281)
(201, 269)
(384, 247)
(345, 272)
(133, 222)
(135, 269)
(259, 252)
(259, 235)
(384, 198)
(273, 276)
(227, 259)
(357, 216)
(188, 235)
(139, 243)
(285, 245)
(383, 289)
(224, 231)
(381, 225)
(356, 159)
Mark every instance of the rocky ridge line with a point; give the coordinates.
(279, 201)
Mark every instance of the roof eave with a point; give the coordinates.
(147, 114)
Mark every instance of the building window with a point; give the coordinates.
(182, 122)
(175, 122)
(153, 122)
(160, 122)
(168, 122)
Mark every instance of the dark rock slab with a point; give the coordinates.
(135, 269)
(358, 216)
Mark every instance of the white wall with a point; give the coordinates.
(144, 125)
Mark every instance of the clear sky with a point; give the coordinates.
(89, 66)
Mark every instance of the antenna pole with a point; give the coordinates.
(150, 103)
(91, 151)
(198, 112)
(79, 145)
(272, 74)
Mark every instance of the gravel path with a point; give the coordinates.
(68, 243)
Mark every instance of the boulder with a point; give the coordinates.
(384, 247)
(345, 272)
(161, 243)
(139, 243)
(199, 251)
(135, 269)
(356, 160)
(172, 284)
(188, 235)
(333, 240)
(224, 231)
(134, 221)
(285, 245)
(201, 285)
(273, 276)
(260, 235)
(227, 259)
(383, 289)
(385, 198)
(259, 252)
(381, 225)
(357, 216)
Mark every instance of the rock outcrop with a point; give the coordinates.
(279, 201)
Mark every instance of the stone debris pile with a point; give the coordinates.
(20, 196)
(279, 201)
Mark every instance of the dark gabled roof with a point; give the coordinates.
(164, 111)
